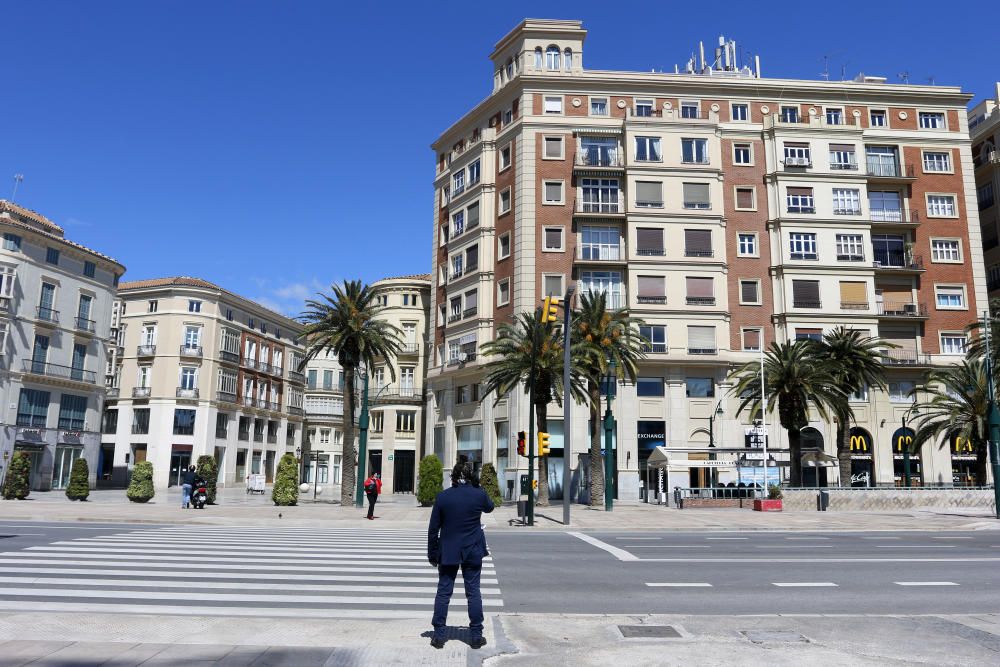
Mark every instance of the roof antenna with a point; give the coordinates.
(930, 79)
(904, 77)
(17, 180)
(826, 68)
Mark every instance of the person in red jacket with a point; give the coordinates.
(373, 487)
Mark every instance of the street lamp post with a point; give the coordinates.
(992, 415)
(362, 444)
(711, 442)
(906, 449)
(609, 428)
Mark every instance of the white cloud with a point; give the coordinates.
(289, 298)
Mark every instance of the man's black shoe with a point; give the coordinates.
(478, 642)
(437, 642)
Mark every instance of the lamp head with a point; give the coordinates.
(718, 410)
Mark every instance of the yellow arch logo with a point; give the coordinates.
(903, 442)
(963, 445)
(859, 443)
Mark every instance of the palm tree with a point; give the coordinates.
(855, 360)
(603, 335)
(518, 349)
(958, 397)
(347, 323)
(794, 377)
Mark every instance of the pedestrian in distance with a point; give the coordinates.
(373, 488)
(455, 539)
(186, 486)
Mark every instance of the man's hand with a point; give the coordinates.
(432, 562)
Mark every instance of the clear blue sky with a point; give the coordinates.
(276, 146)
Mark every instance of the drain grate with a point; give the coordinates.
(649, 632)
(762, 636)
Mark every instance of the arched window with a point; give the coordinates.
(538, 58)
(552, 58)
(568, 59)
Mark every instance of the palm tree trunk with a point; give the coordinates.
(795, 454)
(596, 460)
(542, 417)
(844, 452)
(348, 476)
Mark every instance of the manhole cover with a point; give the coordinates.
(761, 636)
(648, 632)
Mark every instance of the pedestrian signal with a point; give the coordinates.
(550, 309)
(543, 443)
(522, 440)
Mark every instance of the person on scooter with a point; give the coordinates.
(186, 486)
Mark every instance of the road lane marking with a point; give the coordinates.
(620, 554)
(915, 546)
(768, 561)
(638, 538)
(679, 585)
(952, 538)
(16, 558)
(807, 538)
(881, 538)
(210, 610)
(727, 538)
(925, 583)
(218, 575)
(805, 584)
(670, 546)
(794, 546)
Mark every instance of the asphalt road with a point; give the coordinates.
(602, 572)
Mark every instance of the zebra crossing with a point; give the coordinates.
(233, 571)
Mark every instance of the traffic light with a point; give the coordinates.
(522, 439)
(550, 309)
(534, 484)
(543, 443)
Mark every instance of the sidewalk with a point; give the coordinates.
(237, 508)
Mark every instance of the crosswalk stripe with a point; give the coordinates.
(174, 546)
(23, 606)
(217, 575)
(68, 559)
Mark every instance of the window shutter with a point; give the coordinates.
(651, 286)
(649, 239)
(848, 148)
(698, 241)
(649, 192)
(748, 291)
(553, 191)
(701, 338)
(904, 339)
(853, 293)
(744, 198)
(805, 291)
(472, 215)
(471, 299)
(697, 193)
(751, 339)
(807, 192)
(553, 238)
(699, 287)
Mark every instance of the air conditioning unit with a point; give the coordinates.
(910, 308)
(796, 162)
(877, 264)
(462, 357)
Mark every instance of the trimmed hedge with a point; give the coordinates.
(79, 480)
(431, 480)
(140, 489)
(488, 480)
(286, 482)
(18, 481)
(208, 470)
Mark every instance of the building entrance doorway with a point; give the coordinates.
(65, 456)
(179, 462)
(403, 466)
(36, 456)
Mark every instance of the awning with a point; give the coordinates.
(817, 459)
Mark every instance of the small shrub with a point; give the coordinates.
(208, 470)
(431, 480)
(140, 489)
(79, 480)
(18, 481)
(286, 482)
(488, 480)
(774, 492)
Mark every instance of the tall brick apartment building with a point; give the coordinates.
(727, 211)
(984, 126)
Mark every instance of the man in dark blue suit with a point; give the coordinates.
(455, 539)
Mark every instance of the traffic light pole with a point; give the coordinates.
(567, 430)
(531, 443)
(992, 417)
(359, 500)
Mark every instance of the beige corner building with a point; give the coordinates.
(727, 210)
(199, 370)
(984, 126)
(395, 439)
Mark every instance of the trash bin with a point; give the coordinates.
(522, 509)
(822, 501)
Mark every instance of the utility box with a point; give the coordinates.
(822, 501)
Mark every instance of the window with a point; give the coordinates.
(789, 114)
(931, 120)
(700, 387)
(538, 57)
(505, 201)
(644, 108)
(52, 256)
(797, 155)
(458, 183)
(846, 201)
(552, 284)
(655, 336)
(508, 118)
(599, 195)
(153, 305)
(805, 294)
(504, 157)
(503, 246)
(850, 248)
(194, 306)
(746, 245)
(110, 422)
(599, 242)
(882, 160)
(746, 197)
(742, 154)
(553, 238)
(89, 269)
(750, 292)
(458, 224)
(553, 104)
(647, 149)
(144, 376)
(834, 116)
(598, 106)
(609, 282)
(184, 422)
(843, 157)
(937, 160)
(189, 378)
(946, 250)
(192, 337)
(741, 112)
(11, 242)
(809, 334)
(140, 421)
(33, 408)
(503, 292)
(853, 295)
(697, 195)
(406, 421)
(901, 392)
(698, 243)
(751, 340)
(949, 297)
(700, 291)
(953, 343)
(694, 151)
(941, 206)
(552, 58)
(649, 242)
(877, 118)
(649, 194)
(800, 200)
(473, 173)
(689, 109)
(802, 245)
(457, 267)
(649, 386)
(553, 148)
(701, 340)
(553, 192)
(984, 195)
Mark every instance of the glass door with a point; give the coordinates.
(885, 206)
(179, 462)
(882, 161)
(65, 456)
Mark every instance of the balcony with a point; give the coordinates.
(655, 348)
(277, 371)
(140, 428)
(114, 392)
(183, 392)
(296, 376)
(844, 120)
(264, 368)
(905, 358)
(243, 435)
(854, 305)
(249, 363)
(141, 392)
(599, 207)
(798, 162)
(650, 252)
(261, 403)
(901, 310)
(597, 253)
(409, 348)
(700, 300)
(454, 317)
(47, 315)
(225, 397)
(59, 372)
(85, 325)
(258, 436)
(145, 351)
(698, 253)
(613, 300)
(229, 357)
(893, 217)
(703, 350)
(806, 303)
(843, 166)
(898, 262)
(398, 394)
(294, 410)
(221, 433)
(890, 170)
(272, 438)
(324, 410)
(274, 406)
(191, 351)
(652, 300)
(601, 160)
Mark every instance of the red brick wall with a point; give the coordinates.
(505, 223)
(561, 216)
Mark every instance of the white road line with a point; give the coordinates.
(291, 548)
(209, 610)
(805, 584)
(793, 546)
(217, 575)
(233, 597)
(952, 538)
(638, 538)
(925, 583)
(620, 554)
(815, 560)
(727, 538)
(679, 585)
(807, 538)
(881, 538)
(68, 559)
(915, 546)
(224, 556)
(670, 546)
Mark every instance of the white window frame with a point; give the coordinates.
(694, 154)
(803, 241)
(841, 115)
(562, 283)
(501, 284)
(650, 143)
(749, 149)
(802, 202)
(509, 151)
(687, 104)
(552, 105)
(926, 115)
(739, 289)
(951, 290)
(846, 201)
(885, 117)
(562, 192)
(732, 112)
(740, 244)
(753, 196)
(643, 102)
(930, 166)
(562, 238)
(934, 210)
(850, 247)
(500, 252)
(607, 107)
(953, 243)
(561, 155)
(500, 198)
(743, 344)
(798, 152)
(953, 336)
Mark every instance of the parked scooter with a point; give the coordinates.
(199, 495)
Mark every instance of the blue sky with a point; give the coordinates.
(274, 147)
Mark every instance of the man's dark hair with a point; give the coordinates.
(464, 470)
